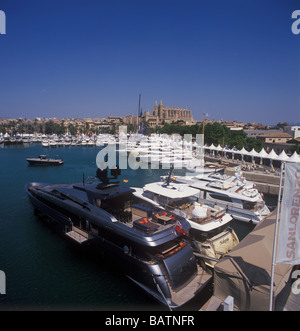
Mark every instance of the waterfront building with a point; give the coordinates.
(256, 133)
(293, 130)
(276, 141)
(275, 138)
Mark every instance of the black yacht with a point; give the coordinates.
(151, 246)
(44, 160)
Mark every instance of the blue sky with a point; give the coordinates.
(232, 59)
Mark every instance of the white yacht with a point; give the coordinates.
(240, 196)
(237, 178)
(90, 143)
(242, 201)
(52, 143)
(197, 168)
(209, 224)
(45, 143)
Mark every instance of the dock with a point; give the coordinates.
(245, 274)
(202, 280)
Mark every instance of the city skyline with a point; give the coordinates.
(231, 60)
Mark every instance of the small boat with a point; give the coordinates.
(44, 160)
(45, 143)
(52, 143)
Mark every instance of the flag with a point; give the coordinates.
(289, 229)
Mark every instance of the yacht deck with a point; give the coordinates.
(197, 285)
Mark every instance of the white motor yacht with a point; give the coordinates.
(45, 143)
(209, 224)
(242, 201)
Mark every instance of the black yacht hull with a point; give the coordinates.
(150, 277)
(34, 162)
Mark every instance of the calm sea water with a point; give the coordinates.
(42, 270)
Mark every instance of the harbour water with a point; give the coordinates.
(42, 270)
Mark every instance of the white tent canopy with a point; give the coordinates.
(262, 153)
(271, 155)
(243, 151)
(282, 156)
(294, 158)
(253, 153)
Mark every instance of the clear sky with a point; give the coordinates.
(232, 59)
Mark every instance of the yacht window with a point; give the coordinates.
(149, 195)
(248, 205)
(220, 197)
(168, 248)
(182, 204)
(98, 202)
(252, 205)
(163, 200)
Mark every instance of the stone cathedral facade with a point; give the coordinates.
(163, 114)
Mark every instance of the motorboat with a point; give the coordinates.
(209, 224)
(45, 143)
(52, 143)
(90, 143)
(150, 245)
(197, 168)
(44, 160)
(213, 175)
(243, 201)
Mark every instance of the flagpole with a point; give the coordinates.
(275, 237)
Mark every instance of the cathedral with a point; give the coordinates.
(162, 114)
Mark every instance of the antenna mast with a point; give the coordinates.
(139, 112)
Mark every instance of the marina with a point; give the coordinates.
(97, 295)
(149, 158)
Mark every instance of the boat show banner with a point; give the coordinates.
(289, 229)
